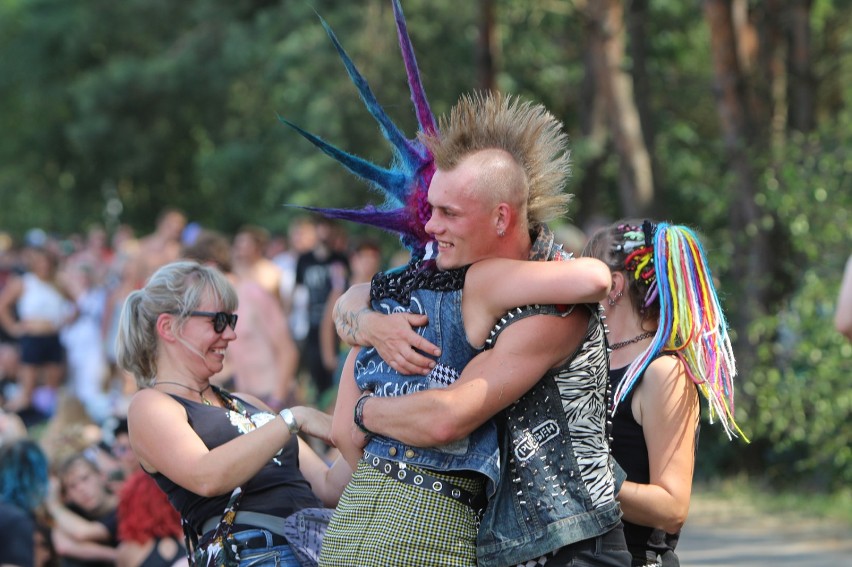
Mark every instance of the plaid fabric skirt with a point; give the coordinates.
(381, 522)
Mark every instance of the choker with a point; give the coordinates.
(635, 339)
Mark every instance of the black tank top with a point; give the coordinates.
(631, 452)
(278, 489)
(155, 559)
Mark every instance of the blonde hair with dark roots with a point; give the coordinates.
(528, 132)
(177, 288)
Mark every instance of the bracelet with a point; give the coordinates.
(290, 420)
(359, 413)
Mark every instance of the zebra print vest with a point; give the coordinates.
(557, 483)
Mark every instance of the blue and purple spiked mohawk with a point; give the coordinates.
(406, 182)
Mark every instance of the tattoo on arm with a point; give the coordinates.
(348, 324)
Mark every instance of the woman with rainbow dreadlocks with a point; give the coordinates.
(669, 341)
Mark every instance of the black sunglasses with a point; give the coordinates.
(220, 319)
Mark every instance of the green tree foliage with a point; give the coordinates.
(800, 400)
(151, 104)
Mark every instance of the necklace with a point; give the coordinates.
(635, 339)
(199, 392)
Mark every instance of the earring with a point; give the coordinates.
(501, 233)
(613, 301)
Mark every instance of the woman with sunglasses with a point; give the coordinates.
(211, 451)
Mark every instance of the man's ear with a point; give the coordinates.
(165, 327)
(502, 218)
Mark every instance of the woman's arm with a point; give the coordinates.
(500, 284)
(342, 424)
(186, 460)
(393, 336)
(666, 405)
(8, 297)
(131, 554)
(327, 482)
(843, 314)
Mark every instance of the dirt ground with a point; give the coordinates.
(718, 534)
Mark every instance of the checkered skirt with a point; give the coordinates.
(381, 522)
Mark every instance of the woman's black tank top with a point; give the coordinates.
(278, 489)
(631, 452)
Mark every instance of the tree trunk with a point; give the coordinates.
(638, 47)
(770, 101)
(607, 38)
(752, 251)
(638, 50)
(757, 44)
(802, 82)
(595, 135)
(485, 46)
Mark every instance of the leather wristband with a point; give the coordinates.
(359, 413)
(290, 420)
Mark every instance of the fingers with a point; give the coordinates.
(417, 319)
(403, 348)
(313, 422)
(421, 344)
(409, 361)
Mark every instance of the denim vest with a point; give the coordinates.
(558, 484)
(414, 290)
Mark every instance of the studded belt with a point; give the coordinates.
(415, 476)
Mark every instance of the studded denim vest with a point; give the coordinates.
(557, 485)
(423, 289)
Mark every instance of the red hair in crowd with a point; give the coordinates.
(144, 511)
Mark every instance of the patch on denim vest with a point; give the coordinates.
(535, 438)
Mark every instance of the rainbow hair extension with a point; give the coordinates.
(691, 323)
(638, 248)
(405, 183)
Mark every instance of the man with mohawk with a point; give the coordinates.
(501, 166)
(476, 192)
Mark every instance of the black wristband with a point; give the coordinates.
(359, 413)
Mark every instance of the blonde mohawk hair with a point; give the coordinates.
(527, 131)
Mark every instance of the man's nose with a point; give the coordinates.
(431, 226)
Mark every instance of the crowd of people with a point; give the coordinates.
(69, 466)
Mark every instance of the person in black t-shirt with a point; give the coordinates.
(320, 271)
